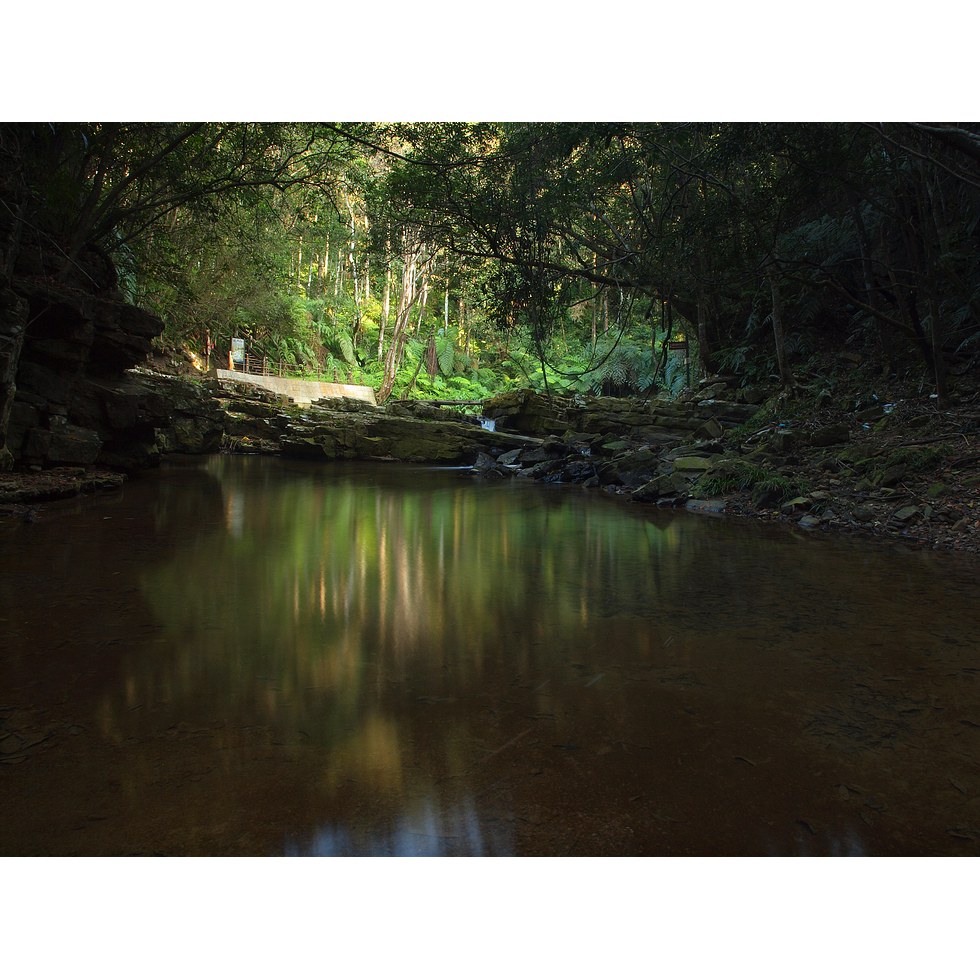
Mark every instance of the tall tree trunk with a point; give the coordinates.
(785, 375)
(423, 300)
(871, 288)
(905, 303)
(931, 205)
(704, 346)
(915, 239)
(367, 264)
(595, 301)
(385, 300)
(667, 328)
(938, 358)
(352, 261)
(414, 286)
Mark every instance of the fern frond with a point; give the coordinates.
(446, 354)
(347, 347)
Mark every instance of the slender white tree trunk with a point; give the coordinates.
(367, 265)
(415, 286)
(385, 300)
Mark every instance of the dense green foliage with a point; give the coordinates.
(743, 475)
(452, 260)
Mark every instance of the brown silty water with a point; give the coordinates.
(250, 656)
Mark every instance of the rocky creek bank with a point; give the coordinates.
(81, 408)
(903, 468)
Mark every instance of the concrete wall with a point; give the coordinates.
(301, 392)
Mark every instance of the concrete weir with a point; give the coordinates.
(301, 392)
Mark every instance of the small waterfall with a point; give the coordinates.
(489, 424)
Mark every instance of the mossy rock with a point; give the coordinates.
(786, 440)
(914, 459)
(851, 454)
(693, 463)
(830, 435)
(889, 475)
(659, 486)
(872, 414)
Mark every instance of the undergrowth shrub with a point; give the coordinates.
(740, 476)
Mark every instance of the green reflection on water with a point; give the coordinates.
(371, 659)
(341, 584)
(381, 614)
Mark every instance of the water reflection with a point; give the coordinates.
(394, 660)
(424, 831)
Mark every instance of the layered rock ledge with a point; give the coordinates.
(716, 450)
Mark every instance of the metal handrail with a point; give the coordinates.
(265, 367)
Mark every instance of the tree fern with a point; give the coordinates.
(431, 359)
(414, 350)
(446, 354)
(625, 367)
(346, 344)
(338, 342)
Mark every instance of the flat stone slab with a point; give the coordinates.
(300, 391)
(712, 506)
(698, 463)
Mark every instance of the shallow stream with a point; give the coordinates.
(244, 655)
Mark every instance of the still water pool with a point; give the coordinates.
(252, 656)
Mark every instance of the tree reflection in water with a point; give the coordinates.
(424, 831)
(393, 660)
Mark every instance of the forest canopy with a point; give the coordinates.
(454, 260)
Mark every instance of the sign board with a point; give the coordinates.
(237, 350)
(677, 345)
